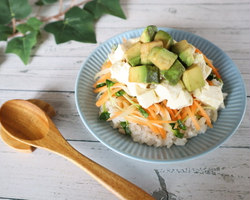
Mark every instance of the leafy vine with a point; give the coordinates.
(21, 31)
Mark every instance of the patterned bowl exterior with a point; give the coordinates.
(228, 121)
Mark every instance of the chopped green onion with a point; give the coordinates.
(177, 133)
(100, 85)
(104, 116)
(125, 126)
(143, 112)
(109, 83)
(172, 125)
(120, 93)
(181, 125)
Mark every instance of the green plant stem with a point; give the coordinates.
(14, 25)
(61, 13)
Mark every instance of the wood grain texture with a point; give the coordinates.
(16, 144)
(29, 124)
(221, 174)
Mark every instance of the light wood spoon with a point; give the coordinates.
(16, 144)
(29, 124)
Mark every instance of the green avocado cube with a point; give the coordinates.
(162, 58)
(185, 51)
(145, 49)
(133, 54)
(148, 34)
(174, 73)
(165, 37)
(144, 74)
(193, 78)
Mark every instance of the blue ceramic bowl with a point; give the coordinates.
(228, 121)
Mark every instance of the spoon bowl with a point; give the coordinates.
(29, 124)
(24, 120)
(16, 144)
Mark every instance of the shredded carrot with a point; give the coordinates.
(197, 126)
(120, 101)
(106, 65)
(157, 108)
(170, 111)
(163, 111)
(204, 114)
(193, 108)
(105, 97)
(162, 132)
(152, 114)
(116, 114)
(102, 79)
(176, 114)
(184, 114)
(209, 63)
(136, 120)
(210, 82)
(101, 89)
(155, 129)
(161, 121)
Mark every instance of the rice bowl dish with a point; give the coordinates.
(159, 91)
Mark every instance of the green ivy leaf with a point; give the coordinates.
(22, 46)
(9, 9)
(77, 25)
(101, 7)
(33, 24)
(5, 31)
(45, 2)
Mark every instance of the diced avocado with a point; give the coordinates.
(145, 49)
(193, 78)
(133, 54)
(165, 37)
(148, 34)
(162, 58)
(179, 47)
(144, 74)
(185, 51)
(174, 73)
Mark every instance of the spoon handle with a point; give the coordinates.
(113, 182)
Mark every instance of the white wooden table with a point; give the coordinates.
(51, 74)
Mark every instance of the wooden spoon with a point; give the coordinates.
(29, 124)
(16, 144)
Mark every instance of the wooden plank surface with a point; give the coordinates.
(222, 174)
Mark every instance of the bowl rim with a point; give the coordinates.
(191, 157)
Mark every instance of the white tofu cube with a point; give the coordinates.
(183, 99)
(210, 95)
(147, 98)
(120, 71)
